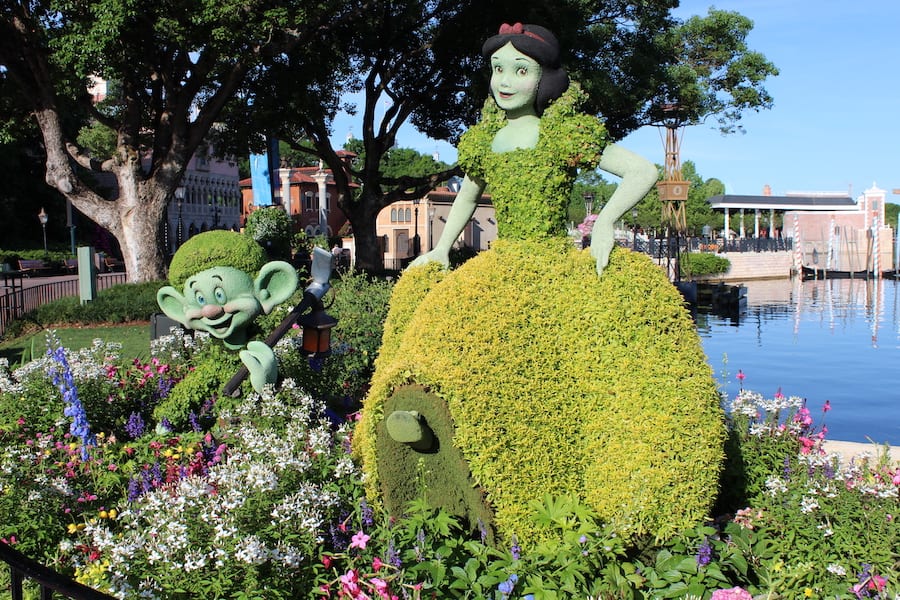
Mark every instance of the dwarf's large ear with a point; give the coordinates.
(276, 282)
(172, 302)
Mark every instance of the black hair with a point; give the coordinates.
(540, 44)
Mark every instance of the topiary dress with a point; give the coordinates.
(534, 375)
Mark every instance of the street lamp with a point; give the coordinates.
(588, 203)
(431, 213)
(417, 246)
(634, 215)
(179, 231)
(43, 218)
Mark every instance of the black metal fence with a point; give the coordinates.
(657, 246)
(21, 567)
(17, 300)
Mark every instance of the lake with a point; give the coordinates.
(835, 340)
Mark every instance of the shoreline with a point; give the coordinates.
(850, 450)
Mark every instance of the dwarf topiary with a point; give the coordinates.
(224, 284)
(510, 386)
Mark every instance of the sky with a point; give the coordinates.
(834, 125)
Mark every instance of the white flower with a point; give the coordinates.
(836, 569)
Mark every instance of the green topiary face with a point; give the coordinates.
(217, 248)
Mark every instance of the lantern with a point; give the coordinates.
(317, 326)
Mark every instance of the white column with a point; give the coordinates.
(321, 177)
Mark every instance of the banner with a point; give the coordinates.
(263, 172)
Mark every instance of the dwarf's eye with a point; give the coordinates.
(498, 69)
(220, 295)
(522, 71)
(200, 298)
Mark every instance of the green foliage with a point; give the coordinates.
(360, 306)
(698, 264)
(520, 370)
(714, 72)
(200, 388)
(124, 303)
(270, 227)
(216, 248)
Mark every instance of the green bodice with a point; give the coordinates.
(531, 187)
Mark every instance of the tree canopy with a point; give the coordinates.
(285, 69)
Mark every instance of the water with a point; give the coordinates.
(836, 340)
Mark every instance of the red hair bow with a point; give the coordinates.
(507, 28)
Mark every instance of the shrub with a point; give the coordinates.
(360, 305)
(270, 227)
(124, 303)
(698, 264)
(634, 431)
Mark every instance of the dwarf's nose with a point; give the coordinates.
(212, 311)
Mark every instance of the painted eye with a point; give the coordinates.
(498, 69)
(220, 295)
(200, 298)
(522, 71)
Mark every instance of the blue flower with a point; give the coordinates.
(65, 382)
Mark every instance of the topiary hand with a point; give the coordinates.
(261, 363)
(435, 255)
(602, 241)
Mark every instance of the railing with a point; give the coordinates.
(19, 300)
(49, 581)
(657, 246)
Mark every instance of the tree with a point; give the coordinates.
(176, 65)
(713, 74)
(419, 63)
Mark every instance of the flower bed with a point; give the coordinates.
(260, 498)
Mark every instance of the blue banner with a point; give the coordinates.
(264, 174)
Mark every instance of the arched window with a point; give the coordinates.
(408, 215)
(393, 215)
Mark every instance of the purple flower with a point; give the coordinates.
(135, 426)
(704, 553)
(515, 549)
(65, 381)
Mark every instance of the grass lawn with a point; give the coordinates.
(135, 340)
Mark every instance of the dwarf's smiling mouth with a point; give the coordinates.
(220, 326)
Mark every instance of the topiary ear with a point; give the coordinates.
(276, 282)
(172, 302)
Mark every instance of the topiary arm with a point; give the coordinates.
(462, 210)
(638, 176)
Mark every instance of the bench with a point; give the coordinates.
(30, 267)
(113, 264)
(71, 265)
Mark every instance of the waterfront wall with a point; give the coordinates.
(757, 265)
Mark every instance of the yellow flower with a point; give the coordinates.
(778, 566)
(104, 514)
(808, 592)
(113, 513)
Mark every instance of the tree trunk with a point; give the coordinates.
(133, 217)
(362, 215)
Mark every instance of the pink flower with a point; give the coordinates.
(896, 478)
(381, 587)
(827, 406)
(734, 593)
(359, 540)
(741, 376)
(377, 564)
(326, 561)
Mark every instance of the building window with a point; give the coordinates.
(408, 215)
(393, 215)
(308, 201)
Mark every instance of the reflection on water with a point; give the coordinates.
(836, 340)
